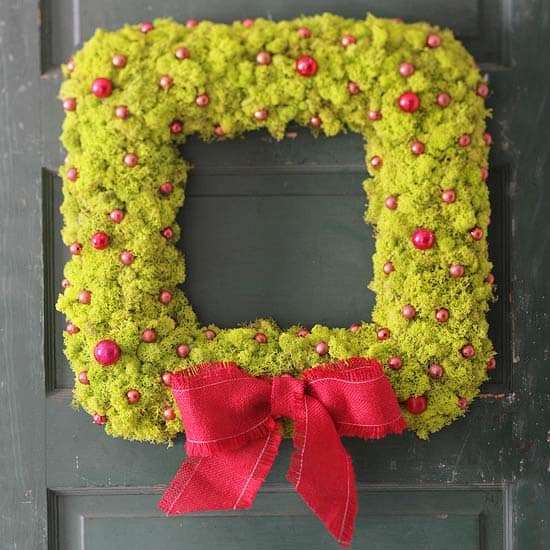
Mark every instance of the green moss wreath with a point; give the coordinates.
(124, 182)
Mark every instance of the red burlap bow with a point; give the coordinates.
(230, 418)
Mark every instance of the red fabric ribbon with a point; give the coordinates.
(230, 419)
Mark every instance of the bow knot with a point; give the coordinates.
(233, 434)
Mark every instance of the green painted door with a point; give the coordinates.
(260, 242)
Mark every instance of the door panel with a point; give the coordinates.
(265, 208)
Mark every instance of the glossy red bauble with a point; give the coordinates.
(304, 32)
(423, 238)
(121, 111)
(130, 160)
(306, 65)
(390, 202)
(263, 58)
(102, 87)
(166, 378)
(247, 22)
(347, 40)
(491, 364)
(260, 114)
(165, 297)
(388, 268)
(321, 348)
(417, 148)
(353, 87)
(484, 173)
(443, 99)
(210, 334)
(106, 352)
(383, 333)
(354, 328)
(476, 233)
(83, 377)
(468, 351)
(406, 69)
(169, 413)
(464, 140)
(132, 396)
(433, 40)
(435, 371)
(146, 27)
(183, 350)
(100, 240)
(482, 89)
(72, 174)
(408, 311)
(416, 405)
(376, 161)
(303, 332)
(374, 115)
(166, 82)
(408, 102)
(166, 188)
(149, 335)
(69, 104)
(395, 362)
(202, 100)
(119, 60)
(99, 419)
(488, 138)
(75, 249)
(315, 121)
(84, 296)
(442, 315)
(448, 196)
(261, 338)
(456, 270)
(167, 233)
(182, 53)
(176, 127)
(190, 23)
(72, 328)
(126, 257)
(462, 403)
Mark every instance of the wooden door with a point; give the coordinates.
(482, 483)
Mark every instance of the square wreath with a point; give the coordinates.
(132, 97)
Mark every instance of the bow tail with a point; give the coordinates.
(228, 480)
(322, 472)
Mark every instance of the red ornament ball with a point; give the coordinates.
(468, 351)
(247, 22)
(100, 240)
(69, 104)
(321, 348)
(83, 377)
(72, 174)
(102, 87)
(84, 296)
(106, 352)
(376, 161)
(202, 100)
(183, 350)
(260, 114)
(261, 338)
(126, 257)
(491, 364)
(347, 40)
(443, 99)
(488, 138)
(306, 65)
(119, 60)
(435, 371)
(149, 335)
(146, 27)
(355, 327)
(417, 148)
(484, 173)
(476, 233)
(190, 23)
(383, 333)
(65, 283)
(456, 270)
(442, 315)
(167, 233)
(304, 32)
(210, 334)
(263, 58)
(169, 413)
(166, 188)
(130, 160)
(395, 362)
(165, 297)
(315, 121)
(482, 89)
(353, 87)
(99, 419)
(374, 115)
(166, 82)
(408, 102)
(406, 69)
(390, 202)
(464, 140)
(303, 332)
(132, 396)
(408, 312)
(176, 127)
(218, 131)
(416, 405)
(182, 53)
(433, 41)
(462, 403)
(388, 268)
(121, 112)
(423, 238)
(448, 196)
(75, 249)
(166, 378)
(72, 328)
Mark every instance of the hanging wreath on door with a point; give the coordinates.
(133, 96)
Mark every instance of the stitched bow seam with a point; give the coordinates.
(233, 433)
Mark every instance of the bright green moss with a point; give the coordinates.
(222, 64)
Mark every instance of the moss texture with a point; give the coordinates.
(222, 64)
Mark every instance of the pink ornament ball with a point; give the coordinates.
(182, 53)
(126, 257)
(72, 174)
(71, 65)
(99, 419)
(355, 327)
(383, 333)
(121, 112)
(321, 348)
(183, 350)
(482, 89)
(374, 115)
(210, 334)
(176, 127)
(456, 270)
(83, 377)
(433, 41)
(166, 378)
(408, 311)
(416, 405)
(443, 99)
(303, 332)
(263, 58)
(408, 102)
(261, 338)
(423, 239)
(247, 22)
(69, 104)
(165, 297)
(166, 82)
(315, 121)
(149, 335)
(468, 351)
(102, 87)
(484, 173)
(304, 32)
(388, 268)
(462, 403)
(100, 240)
(376, 162)
(146, 27)
(306, 66)
(65, 284)
(353, 87)
(75, 249)
(72, 329)
(218, 131)
(130, 160)
(119, 60)
(488, 138)
(464, 140)
(448, 196)
(260, 114)
(406, 69)
(190, 23)
(491, 364)
(106, 352)
(169, 413)
(85, 297)
(395, 362)
(476, 233)
(435, 371)
(202, 100)
(347, 40)
(442, 315)
(132, 396)
(166, 188)
(417, 148)
(167, 233)
(490, 279)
